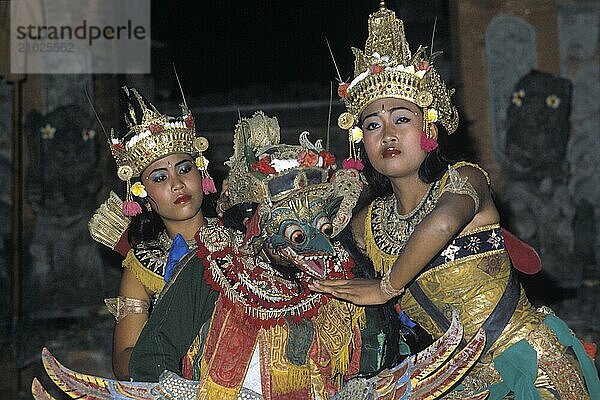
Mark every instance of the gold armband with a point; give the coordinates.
(459, 185)
(386, 286)
(120, 307)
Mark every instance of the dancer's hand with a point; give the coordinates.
(361, 292)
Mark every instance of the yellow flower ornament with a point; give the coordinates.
(432, 115)
(356, 134)
(138, 190)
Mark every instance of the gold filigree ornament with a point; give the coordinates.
(387, 68)
(208, 184)
(125, 172)
(424, 99)
(345, 121)
(456, 184)
(201, 143)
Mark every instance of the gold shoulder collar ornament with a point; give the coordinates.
(386, 230)
(108, 223)
(456, 184)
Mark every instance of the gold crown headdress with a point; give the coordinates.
(265, 171)
(388, 69)
(152, 136)
(262, 170)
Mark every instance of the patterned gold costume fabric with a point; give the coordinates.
(471, 275)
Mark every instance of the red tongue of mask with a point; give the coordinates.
(317, 268)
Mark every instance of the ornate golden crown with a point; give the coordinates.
(387, 69)
(264, 171)
(152, 136)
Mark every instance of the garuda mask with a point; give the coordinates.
(302, 200)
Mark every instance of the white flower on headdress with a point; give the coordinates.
(358, 78)
(202, 163)
(282, 165)
(380, 58)
(356, 134)
(408, 70)
(48, 131)
(432, 115)
(139, 190)
(384, 60)
(137, 138)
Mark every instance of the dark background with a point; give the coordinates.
(220, 47)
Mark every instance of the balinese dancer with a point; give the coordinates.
(242, 299)
(433, 234)
(160, 159)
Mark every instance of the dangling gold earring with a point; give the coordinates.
(130, 207)
(355, 134)
(208, 184)
(429, 133)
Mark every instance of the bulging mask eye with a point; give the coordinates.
(294, 234)
(324, 226)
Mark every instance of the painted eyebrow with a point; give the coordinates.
(164, 169)
(401, 108)
(390, 110)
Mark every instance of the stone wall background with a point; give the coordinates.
(557, 207)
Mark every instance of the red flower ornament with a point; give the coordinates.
(376, 68)
(351, 163)
(422, 65)
(328, 158)
(155, 128)
(264, 166)
(343, 90)
(308, 158)
(189, 121)
(428, 144)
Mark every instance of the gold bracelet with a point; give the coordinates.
(121, 306)
(386, 286)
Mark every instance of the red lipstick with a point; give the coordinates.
(390, 152)
(182, 199)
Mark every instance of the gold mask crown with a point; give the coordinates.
(264, 171)
(152, 136)
(387, 69)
